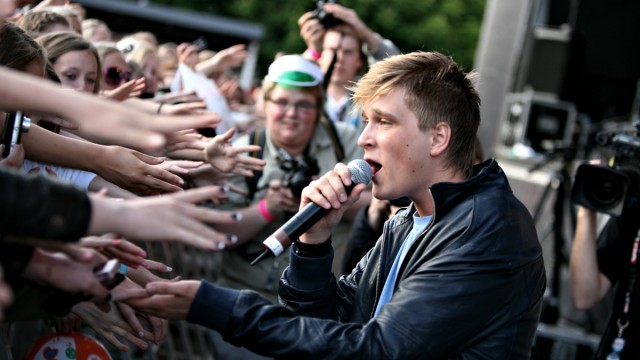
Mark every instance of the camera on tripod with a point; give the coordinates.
(326, 19)
(611, 189)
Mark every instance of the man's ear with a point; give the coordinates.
(440, 137)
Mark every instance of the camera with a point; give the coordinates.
(201, 43)
(297, 174)
(15, 124)
(109, 274)
(611, 189)
(326, 19)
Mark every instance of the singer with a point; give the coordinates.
(456, 275)
(298, 145)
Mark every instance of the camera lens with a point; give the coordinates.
(605, 190)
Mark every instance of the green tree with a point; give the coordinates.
(449, 26)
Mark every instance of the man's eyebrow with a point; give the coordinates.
(381, 113)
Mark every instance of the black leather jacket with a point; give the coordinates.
(471, 287)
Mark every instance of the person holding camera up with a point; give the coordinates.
(342, 44)
(298, 145)
(600, 262)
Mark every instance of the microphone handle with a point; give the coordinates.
(299, 223)
(292, 229)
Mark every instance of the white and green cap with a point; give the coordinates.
(294, 70)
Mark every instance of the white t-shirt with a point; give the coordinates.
(79, 178)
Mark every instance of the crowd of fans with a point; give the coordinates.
(135, 143)
(87, 184)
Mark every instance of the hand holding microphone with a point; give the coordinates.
(359, 172)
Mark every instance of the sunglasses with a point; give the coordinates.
(115, 76)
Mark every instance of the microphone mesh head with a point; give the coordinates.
(360, 170)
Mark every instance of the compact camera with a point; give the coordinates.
(109, 274)
(611, 189)
(15, 124)
(326, 19)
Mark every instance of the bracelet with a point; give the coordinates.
(159, 108)
(313, 53)
(262, 206)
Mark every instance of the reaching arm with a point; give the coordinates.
(107, 120)
(223, 60)
(588, 285)
(126, 168)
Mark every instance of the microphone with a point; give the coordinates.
(282, 238)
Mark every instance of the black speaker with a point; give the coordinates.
(544, 60)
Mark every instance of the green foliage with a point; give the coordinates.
(449, 26)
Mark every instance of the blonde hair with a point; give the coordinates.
(139, 52)
(38, 21)
(89, 27)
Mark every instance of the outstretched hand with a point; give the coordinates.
(169, 300)
(173, 217)
(226, 158)
(135, 171)
(130, 89)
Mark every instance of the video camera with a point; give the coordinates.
(611, 189)
(326, 19)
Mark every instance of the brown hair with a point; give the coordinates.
(17, 49)
(436, 90)
(61, 42)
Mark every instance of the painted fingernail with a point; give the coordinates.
(236, 216)
(169, 268)
(221, 245)
(233, 238)
(224, 188)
